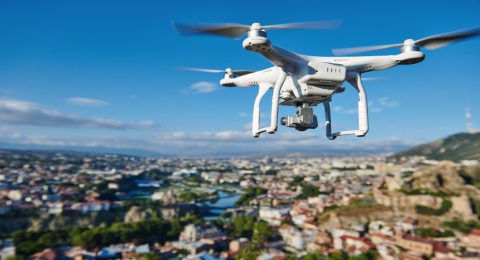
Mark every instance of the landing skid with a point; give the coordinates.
(362, 112)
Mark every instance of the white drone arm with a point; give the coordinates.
(262, 90)
(362, 112)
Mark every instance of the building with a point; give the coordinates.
(472, 240)
(423, 246)
(213, 177)
(196, 232)
(238, 244)
(46, 254)
(79, 253)
(149, 183)
(273, 216)
(167, 198)
(337, 235)
(92, 206)
(356, 245)
(185, 173)
(7, 248)
(55, 208)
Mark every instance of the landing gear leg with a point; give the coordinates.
(262, 90)
(362, 112)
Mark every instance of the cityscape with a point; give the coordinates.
(71, 205)
(214, 130)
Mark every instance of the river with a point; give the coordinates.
(224, 202)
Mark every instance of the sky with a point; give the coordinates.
(104, 75)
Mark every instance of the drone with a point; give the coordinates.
(305, 81)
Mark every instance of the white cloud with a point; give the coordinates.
(146, 123)
(20, 112)
(371, 78)
(82, 101)
(387, 102)
(216, 143)
(383, 102)
(202, 87)
(343, 110)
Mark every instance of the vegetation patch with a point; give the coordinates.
(462, 226)
(146, 231)
(430, 232)
(249, 194)
(359, 207)
(438, 193)
(444, 208)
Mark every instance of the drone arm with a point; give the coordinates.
(262, 90)
(362, 112)
(276, 55)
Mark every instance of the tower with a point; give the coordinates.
(468, 118)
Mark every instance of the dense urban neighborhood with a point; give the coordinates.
(68, 205)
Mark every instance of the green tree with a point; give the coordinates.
(430, 232)
(249, 194)
(308, 190)
(243, 226)
(367, 255)
(317, 255)
(462, 226)
(175, 229)
(444, 208)
(250, 252)
(191, 218)
(150, 256)
(188, 196)
(290, 257)
(262, 231)
(146, 231)
(297, 180)
(340, 255)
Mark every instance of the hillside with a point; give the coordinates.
(456, 147)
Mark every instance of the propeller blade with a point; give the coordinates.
(440, 40)
(430, 43)
(230, 30)
(348, 51)
(234, 30)
(202, 70)
(228, 70)
(322, 25)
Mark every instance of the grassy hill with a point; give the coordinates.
(456, 147)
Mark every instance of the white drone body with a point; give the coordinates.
(306, 81)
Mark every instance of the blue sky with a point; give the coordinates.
(102, 74)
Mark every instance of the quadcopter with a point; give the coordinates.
(305, 81)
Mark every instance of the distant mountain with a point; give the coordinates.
(79, 149)
(296, 151)
(456, 147)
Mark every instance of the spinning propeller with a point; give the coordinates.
(228, 71)
(233, 30)
(430, 43)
